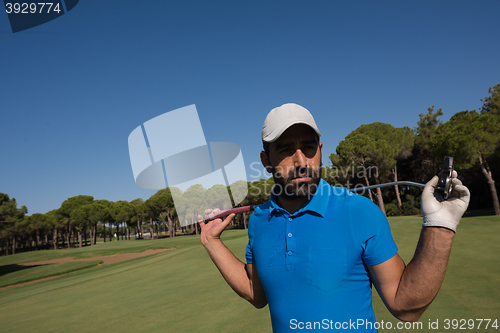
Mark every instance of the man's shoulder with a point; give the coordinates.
(343, 197)
(338, 192)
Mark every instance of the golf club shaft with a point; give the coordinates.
(356, 189)
(222, 213)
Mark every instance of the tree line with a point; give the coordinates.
(81, 220)
(384, 153)
(371, 154)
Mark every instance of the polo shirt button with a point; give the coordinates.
(290, 234)
(290, 219)
(289, 253)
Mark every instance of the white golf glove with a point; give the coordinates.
(438, 212)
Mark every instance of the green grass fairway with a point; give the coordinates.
(11, 275)
(103, 249)
(182, 291)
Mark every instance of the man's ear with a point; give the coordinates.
(264, 159)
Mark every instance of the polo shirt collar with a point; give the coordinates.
(317, 204)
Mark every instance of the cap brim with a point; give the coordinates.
(278, 132)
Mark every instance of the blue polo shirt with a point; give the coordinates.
(312, 264)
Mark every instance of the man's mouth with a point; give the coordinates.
(302, 179)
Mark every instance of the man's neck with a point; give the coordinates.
(291, 205)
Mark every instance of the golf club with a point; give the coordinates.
(443, 186)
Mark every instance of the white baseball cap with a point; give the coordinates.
(282, 117)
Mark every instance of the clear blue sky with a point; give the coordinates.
(73, 89)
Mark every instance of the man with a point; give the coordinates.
(314, 250)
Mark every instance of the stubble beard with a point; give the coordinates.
(284, 188)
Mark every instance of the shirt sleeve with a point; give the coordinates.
(373, 231)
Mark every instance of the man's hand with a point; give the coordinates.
(438, 212)
(213, 229)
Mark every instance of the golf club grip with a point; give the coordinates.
(222, 213)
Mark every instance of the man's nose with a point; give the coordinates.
(299, 159)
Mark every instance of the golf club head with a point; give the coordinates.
(444, 183)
